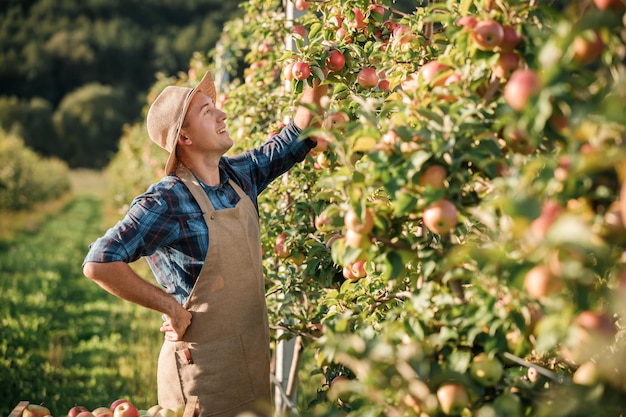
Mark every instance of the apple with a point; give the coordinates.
(453, 398)
(356, 240)
(358, 269)
(152, 411)
(522, 84)
(347, 273)
(508, 404)
(301, 70)
(441, 216)
(299, 30)
(35, 410)
(125, 409)
(116, 403)
(321, 145)
(586, 374)
(433, 176)
(609, 4)
(507, 62)
(384, 85)
(539, 282)
(587, 47)
(166, 412)
(301, 5)
(102, 411)
(280, 249)
(86, 414)
(510, 39)
(335, 61)
(550, 211)
(363, 224)
(486, 370)
(367, 78)
(431, 72)
(335, 119)
(76, 410)
(487, 34)
(467, 21)
(359, 19)
(377, 9)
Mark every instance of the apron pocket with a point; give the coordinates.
(217, 373)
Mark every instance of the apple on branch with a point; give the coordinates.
(440, 217)
(453, 398)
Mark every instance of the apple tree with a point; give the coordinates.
(455, 244)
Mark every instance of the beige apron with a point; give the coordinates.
(224, 357)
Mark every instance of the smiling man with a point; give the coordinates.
(198, 228)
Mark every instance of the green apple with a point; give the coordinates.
(486, 370)
(152, 411)
(34, 410)
(179, 410)
(166, 412)
(508, 405)
(453, 398)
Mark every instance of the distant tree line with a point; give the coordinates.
(72, 73)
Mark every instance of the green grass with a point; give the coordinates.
(64, 340)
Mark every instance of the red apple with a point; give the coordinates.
(434, 176)
(299, 30)
(348, 274)
(116, 403)
(335, 61)
(302, 5)
(358, 269)
(126, 409)
(453, 398)
(301, 70)
(76, 410)
(359, 19)
(288, 71)
(522, 84)
(609, 4)
(431, 72)
(467, 21)
(85, 414)
(280, 249)
(35, 410)
(539, 282)
(587, 47)
(487, 34)
(367, 78)
(384, 85)
(363, 224)
(510, 39)
(550, 211)
(507, 62)
(335, 120)
(440, 217)
(377, 9)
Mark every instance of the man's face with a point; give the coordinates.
(205, 126)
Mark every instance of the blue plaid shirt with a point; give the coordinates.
(165, 224)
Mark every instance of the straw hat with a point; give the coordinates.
(167, 112)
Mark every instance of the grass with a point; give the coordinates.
(64, 340)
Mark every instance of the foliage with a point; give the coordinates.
(32, 121)
(536, 191)
(26, 178)
(64, 341)
(51, 49)
(89, 121)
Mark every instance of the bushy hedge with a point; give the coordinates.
(26, 177)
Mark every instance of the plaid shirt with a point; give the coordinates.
(165, 224)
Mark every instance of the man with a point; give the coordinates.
(198, 228)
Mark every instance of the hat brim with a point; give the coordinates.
(206, 86)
